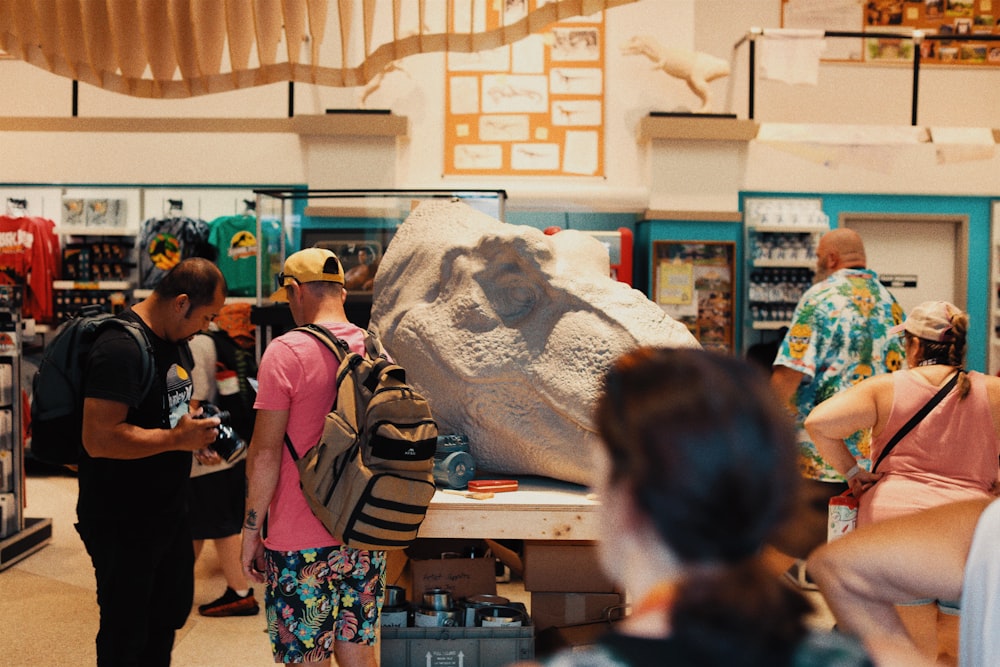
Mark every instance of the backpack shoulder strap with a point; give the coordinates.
(142, 340)
(291, 449)
(338, 346)
(373, 346)
(340, 350)
(381, 362)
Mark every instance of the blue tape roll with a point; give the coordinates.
(454, 470)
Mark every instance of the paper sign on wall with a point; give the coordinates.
(531, 108)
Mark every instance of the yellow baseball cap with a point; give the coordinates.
(308, 266)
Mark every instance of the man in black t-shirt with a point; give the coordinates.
(134, 472)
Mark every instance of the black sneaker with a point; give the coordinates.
(231, 604)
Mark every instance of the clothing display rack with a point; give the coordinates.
(19, 536)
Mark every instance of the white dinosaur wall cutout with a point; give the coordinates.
(695, 68)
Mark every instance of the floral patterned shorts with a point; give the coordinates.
(318, 596)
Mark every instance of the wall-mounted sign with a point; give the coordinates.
(898, 279)
(531, 108)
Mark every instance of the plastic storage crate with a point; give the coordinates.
(452, 647)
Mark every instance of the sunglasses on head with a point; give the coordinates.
(279, 280)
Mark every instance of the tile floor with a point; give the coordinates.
(49, 609)
(49, 613)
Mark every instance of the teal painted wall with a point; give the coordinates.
(648, 231)
(976, 209)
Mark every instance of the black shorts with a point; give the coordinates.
(216, 502)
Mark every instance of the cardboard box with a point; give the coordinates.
(450, 647)
(559, 609)
(567, 620)
(564, 566)
(397, 569)
(461, 576)
(446, 563)
(552, 640)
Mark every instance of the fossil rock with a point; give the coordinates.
(508, 332)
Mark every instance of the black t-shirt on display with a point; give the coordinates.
(153, 485)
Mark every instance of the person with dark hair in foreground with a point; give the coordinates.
(697, 469)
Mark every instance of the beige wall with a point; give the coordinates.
(846, 92)
(678, 175)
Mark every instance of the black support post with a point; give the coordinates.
(916, 79)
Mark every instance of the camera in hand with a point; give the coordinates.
(229, 445)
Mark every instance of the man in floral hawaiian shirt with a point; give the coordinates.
(840, 335)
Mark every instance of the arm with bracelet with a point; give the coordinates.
(866, 405)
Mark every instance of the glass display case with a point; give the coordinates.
(358, 225)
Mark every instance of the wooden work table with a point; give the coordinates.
(541, 509)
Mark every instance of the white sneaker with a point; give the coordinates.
(798, 576)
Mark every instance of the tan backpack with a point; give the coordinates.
(369, 479)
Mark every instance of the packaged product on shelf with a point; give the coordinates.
(8, 514)
(6, 471)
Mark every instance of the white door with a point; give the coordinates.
(923, 257)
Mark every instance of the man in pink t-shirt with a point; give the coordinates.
(322, 598)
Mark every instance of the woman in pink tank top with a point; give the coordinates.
(950, 455)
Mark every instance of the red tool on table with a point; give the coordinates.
(494, 485)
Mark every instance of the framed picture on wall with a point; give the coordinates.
(694, 282)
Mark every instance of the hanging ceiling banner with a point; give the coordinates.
(185, 48)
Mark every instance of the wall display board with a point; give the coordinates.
(956, 18)
(693, 282)
(532, 108)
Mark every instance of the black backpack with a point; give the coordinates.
(57, 388)
(369, 479)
